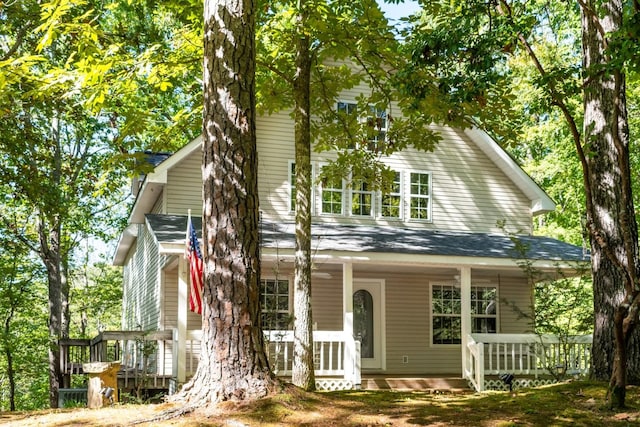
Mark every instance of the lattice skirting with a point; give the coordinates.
(334, 384)
(498, 384)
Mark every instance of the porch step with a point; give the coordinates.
(433, 384)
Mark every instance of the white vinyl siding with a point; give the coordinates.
(468, 192)
(184, 186)
(141, 288)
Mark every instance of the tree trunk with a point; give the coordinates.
(303, 374)
(50, 255)
(610, 213)
(8, 354)
(233, 364)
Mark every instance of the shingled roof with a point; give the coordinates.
(359, 238)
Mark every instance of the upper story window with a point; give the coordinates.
(274, 304)
(391, 202)
(420, 196)
(446, 312)
(332, 195)
(362, 199)
(374, 120)
(408, 197)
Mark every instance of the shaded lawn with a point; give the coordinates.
(570, 404)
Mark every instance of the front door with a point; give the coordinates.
(368, 321)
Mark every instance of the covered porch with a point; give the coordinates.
(412, 298)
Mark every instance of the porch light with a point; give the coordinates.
(508, 380)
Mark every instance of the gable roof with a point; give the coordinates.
(170, 230)
(540, 201)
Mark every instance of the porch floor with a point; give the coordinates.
(430, 383)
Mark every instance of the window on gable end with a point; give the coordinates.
(376, 128)
(374, 123)
(420, 196)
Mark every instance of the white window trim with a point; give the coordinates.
(457, 286)
(409, 196)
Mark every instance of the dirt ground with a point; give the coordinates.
(570, 404)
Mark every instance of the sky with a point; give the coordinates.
(397, 11)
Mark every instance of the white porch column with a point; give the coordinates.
(347, 322)
(183, 289)
(465, 313)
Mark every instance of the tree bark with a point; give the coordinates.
(610, 213)
(233, 364)
(50, 255)
(303, 374)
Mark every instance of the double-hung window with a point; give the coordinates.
(274, 304)
(446, 306)
(420, 196)
(361, 199)
(391, 202)
(332, 195)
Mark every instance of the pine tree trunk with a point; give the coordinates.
(303, 374)
(610, 214)
(233, 364)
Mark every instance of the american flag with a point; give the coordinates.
(194, 256)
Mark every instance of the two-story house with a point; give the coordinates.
(414, 282)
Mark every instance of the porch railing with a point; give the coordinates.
(151, 359)
(336, 356)
(526, 355)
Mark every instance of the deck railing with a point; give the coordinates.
(526, 355)
(144, 356)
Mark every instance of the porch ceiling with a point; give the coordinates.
(170, 229)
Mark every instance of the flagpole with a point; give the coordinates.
(186, 238)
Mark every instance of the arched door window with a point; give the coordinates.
(363, 322)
